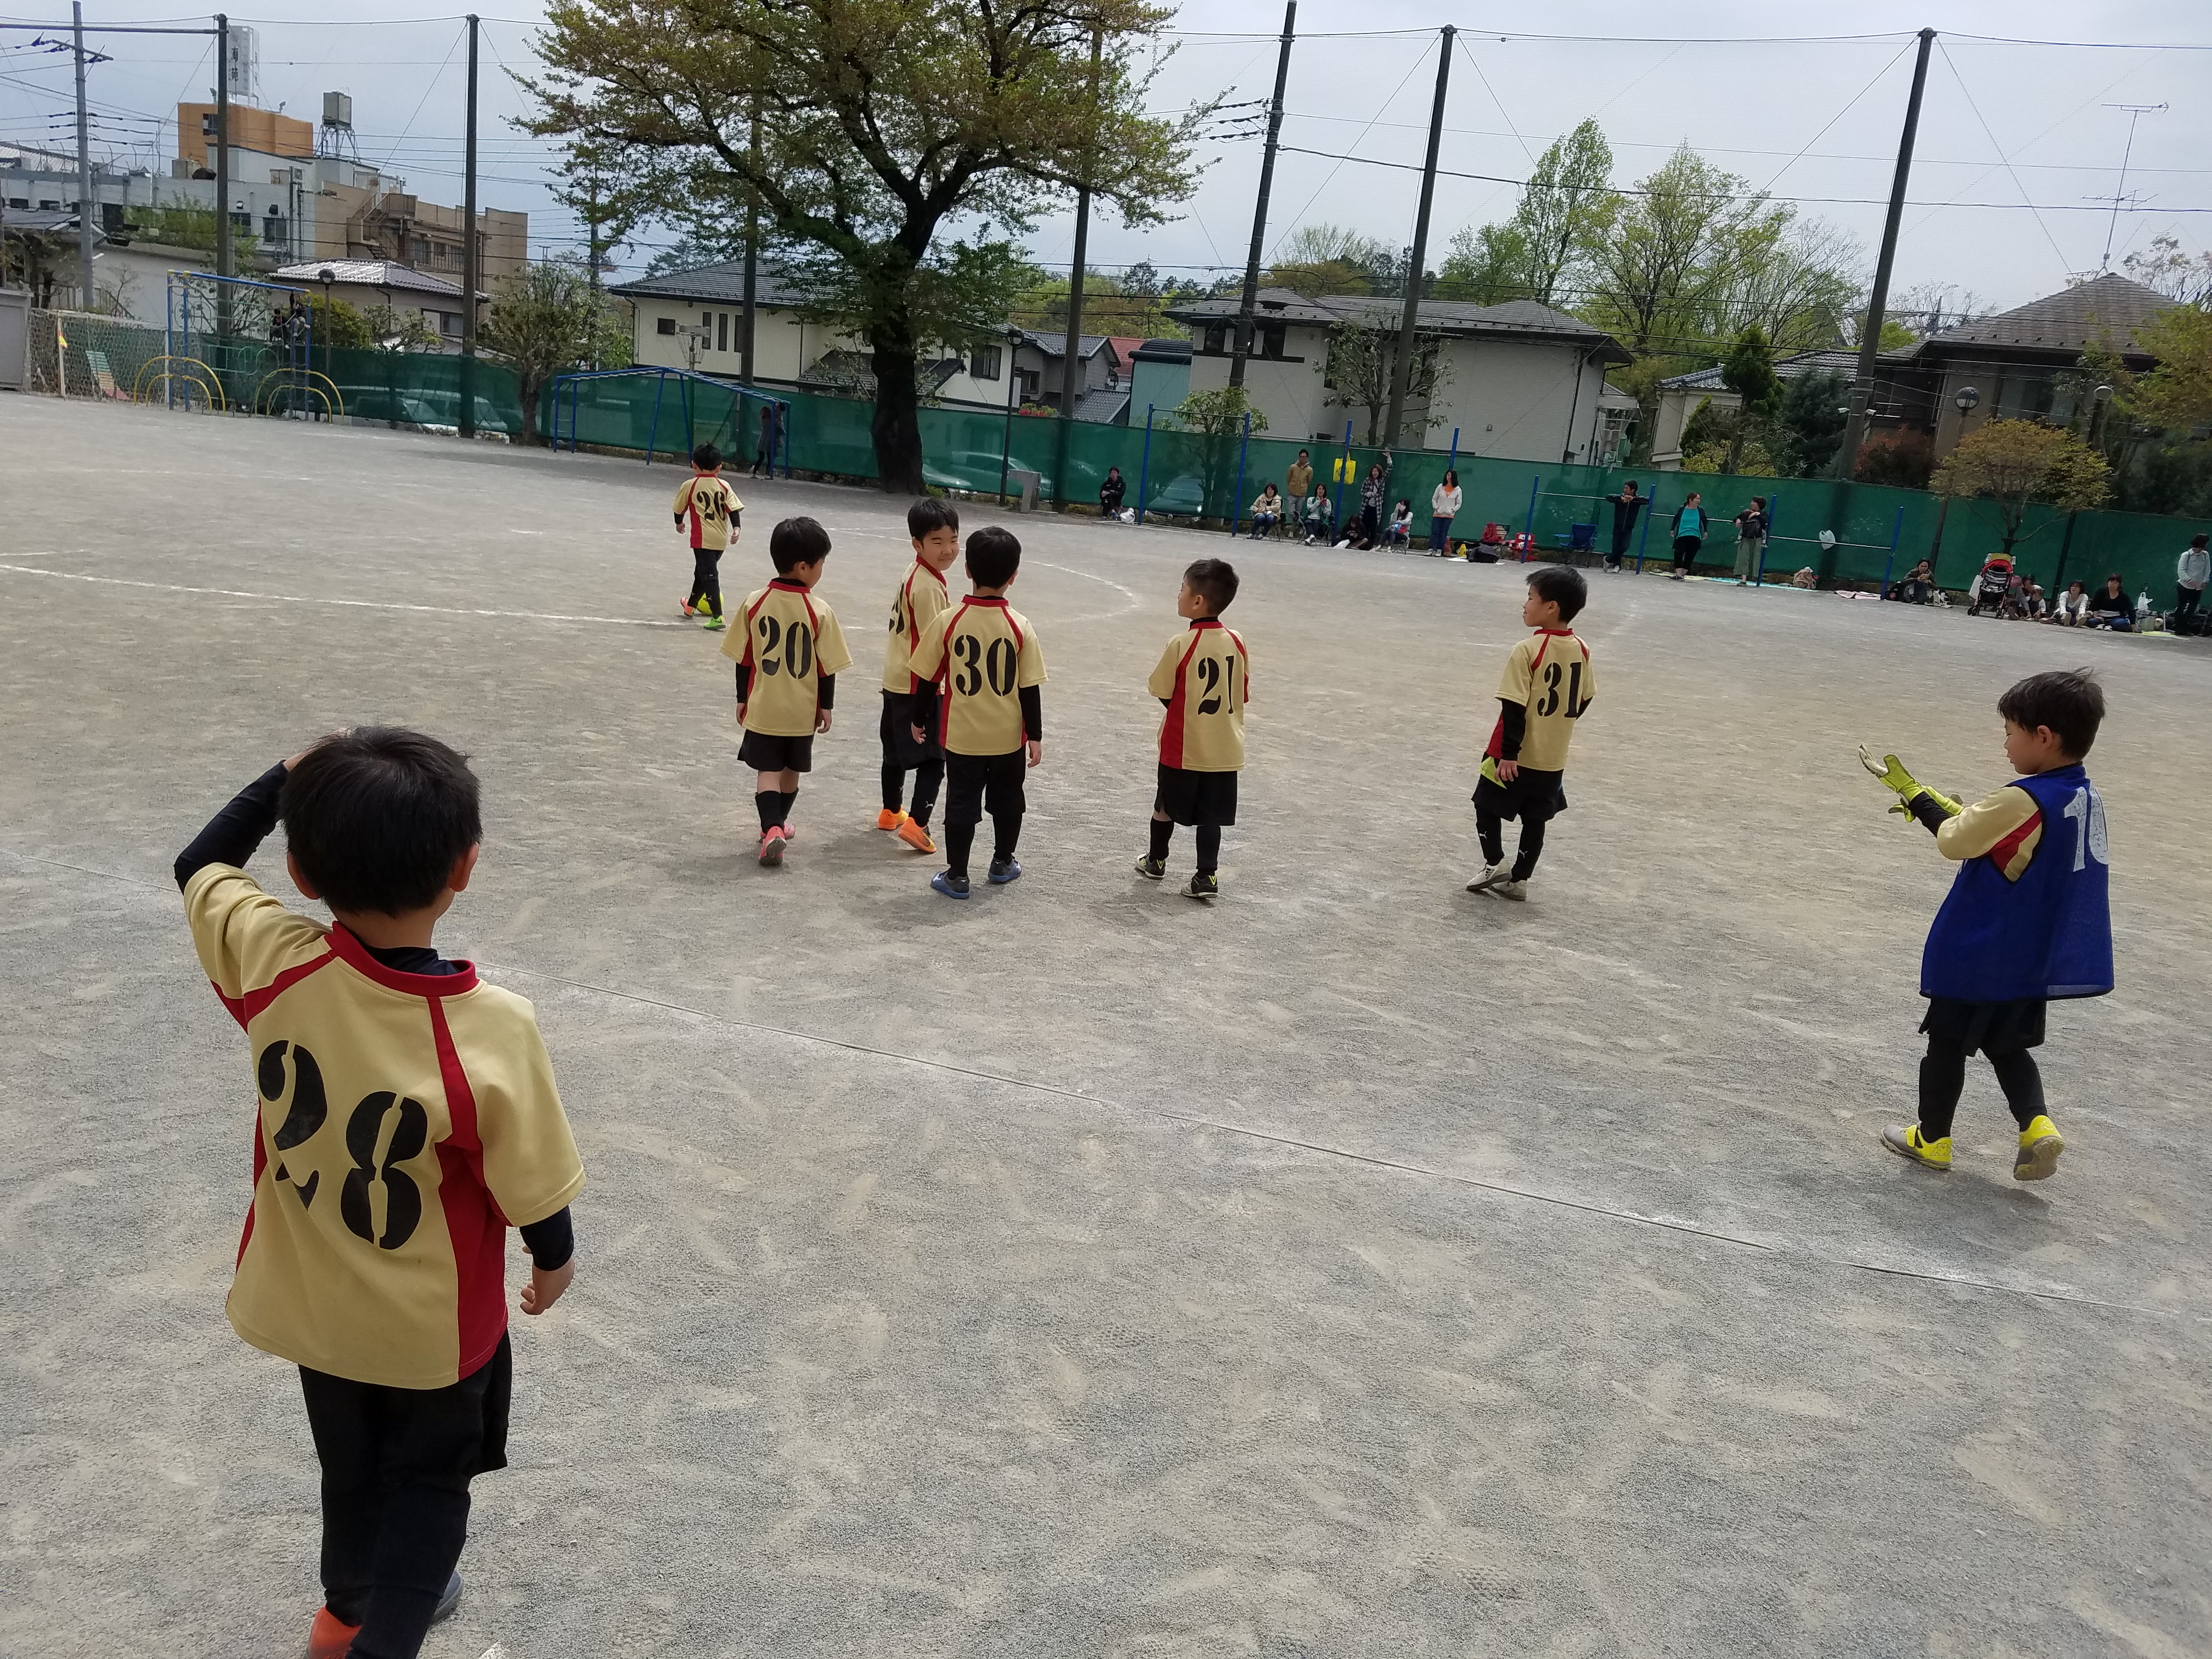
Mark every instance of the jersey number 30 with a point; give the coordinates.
(998, 663)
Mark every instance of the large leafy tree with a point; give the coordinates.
(2014, 464)
(2177, 392)
(1363, 356)
(1808, 423)
(883, 124)
(1549, 249)
(1749, 372)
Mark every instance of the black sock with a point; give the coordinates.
(771, 804)
(1209, 849)
(1006, 832)
(893, 785)
(1163, 833)
(927, 777)
(789, 797)
(959, 842)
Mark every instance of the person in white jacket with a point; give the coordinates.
(2190, 577)
(1444, 508)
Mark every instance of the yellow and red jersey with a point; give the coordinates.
(1551, 673)
(706, 499)
(987, 653)
(2006, 828)
(791, 641)
(919, 601)
(405, 1121)
(1205, 677)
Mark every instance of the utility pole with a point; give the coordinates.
(752, 256)
(1878, 301)
(1072, 362)
(85, 206)
(1401, 372)
(1241, 346)
(223, 263)
(470, 269)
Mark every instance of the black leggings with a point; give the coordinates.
(928, 776)
(1490, 828)
(1209, 843)
(1686, 552)
(1943, 1075)
(707, 579)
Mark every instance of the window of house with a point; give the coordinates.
(19, 200)
(1217, 338)
(1030, 379)
(1271, 340)
(721, 330)
(49, 207)
(207, 124)
(983, 363)
(666, 325)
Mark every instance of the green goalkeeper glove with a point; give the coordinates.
(1909, 788)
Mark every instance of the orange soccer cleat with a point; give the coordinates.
(327, 1638)
(915, 836)
(890, 819)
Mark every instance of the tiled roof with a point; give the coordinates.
(1785, 368)
(1104, 405)
(372, 273)
(1054, 342)
(2067, 321)
(723, 283)
(1526, 319)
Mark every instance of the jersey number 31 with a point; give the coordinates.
(1573, 675)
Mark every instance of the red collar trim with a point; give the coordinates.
(354, 955)
(930, 571)
(999, 600)
(789, 585)
(1558, 632)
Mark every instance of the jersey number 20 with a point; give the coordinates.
(798, 649)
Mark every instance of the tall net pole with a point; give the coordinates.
(1854, 422)
(224, 263)
(84, 204)
(1240, 348)
(468, 267)
(1401, 371)
(1071, 379)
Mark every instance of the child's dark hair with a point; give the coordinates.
(932, 512)
(1213, 580)
(377, 817)
(2067, 699)
(1563, 585)
(994, 556)
(795, 542)
(706, 458)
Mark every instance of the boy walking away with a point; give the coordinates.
(991, 723)
(2028, 917)
(789, 654)
(1550, 682)
(1204, 678)
(1625, 506)
(407, 1117)
(934, 527)
(1689, 533)
(712, 507)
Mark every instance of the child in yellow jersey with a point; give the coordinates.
(788, 652)
(706, 500)
(1549, 683)
(1204, 678)
(992, 722)
(406, 1117)
(934, 526)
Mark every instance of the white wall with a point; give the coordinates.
(784, 347)
(1287, 390)
(1513, 399)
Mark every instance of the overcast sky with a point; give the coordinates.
(2003, 124)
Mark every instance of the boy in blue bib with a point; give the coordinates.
(2027, 919)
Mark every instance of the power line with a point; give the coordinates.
(1996, 146)
(1300, 214)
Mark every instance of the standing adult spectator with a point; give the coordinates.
(1374, 490)
(1111, 494)
(2190, 577)
(2112, 608)
(764, 457)
(1689, 533)
(1750, 540)
(1625, 506)
(1297, 483)
(1267, 512)
(1444, 508)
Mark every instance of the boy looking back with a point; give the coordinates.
(789, 655)
(712, 507)
(2028, 917)
(1549, 683)
(991, 722)
(406, 1117)
(934, 527)
(1204, 679)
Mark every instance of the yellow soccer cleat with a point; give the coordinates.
(1905, 1139)
(2040, 1143)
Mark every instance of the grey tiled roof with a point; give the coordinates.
(723, 283)
(1526, 319)
(1785, 368)
(2065, 321)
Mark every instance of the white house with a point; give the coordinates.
(1519, 380)
(369, 285)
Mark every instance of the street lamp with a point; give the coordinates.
(2099, 400)
(326, 275)
(1967, 399)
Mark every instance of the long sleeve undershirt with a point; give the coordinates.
(233, 835)
(1515, 718)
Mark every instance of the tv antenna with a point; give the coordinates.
(2120, 198)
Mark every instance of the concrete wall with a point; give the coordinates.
(1288, 390)
(784, 346)
(1515, 400)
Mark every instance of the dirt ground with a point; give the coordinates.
(1352, 1267)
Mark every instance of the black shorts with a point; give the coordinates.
(1533, 797)
(1995, 1028)
(977, 783)
(899, 747)
(765, 753)
(1190, 797)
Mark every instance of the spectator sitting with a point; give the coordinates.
(1918, 585)
(2112, 608)
(1267, 512)
(1318, 519)
(1111, 492)
(2027, 603)
(1400, 533)
(2071, 608)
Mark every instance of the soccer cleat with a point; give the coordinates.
(890, 819)
(772, 842)
(2040, 1143)
(1491, 875)
(951, 885)
(915, 835)
(447, 1603)
(712, 624)
(1904, 1139)
(1518, 890)
(690, 609)
(327, 1638)
(1003, 871)
(1153, 869)
(1204, 886)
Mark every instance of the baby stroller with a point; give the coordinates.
(1991, 585)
